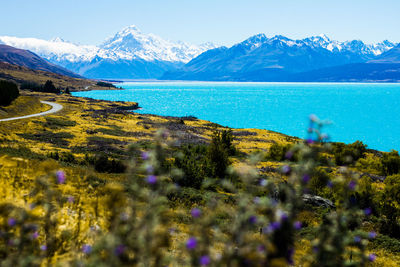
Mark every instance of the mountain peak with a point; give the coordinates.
(132, 29)
(58, 40)
(324, 37)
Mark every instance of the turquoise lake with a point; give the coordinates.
(366, 112)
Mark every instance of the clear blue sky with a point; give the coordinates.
(224, 22)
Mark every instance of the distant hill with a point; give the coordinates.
(20, 74)
(30, 60)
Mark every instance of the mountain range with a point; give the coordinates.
(279, 58)
(131, 54)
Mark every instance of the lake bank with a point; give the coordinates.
(358, 111)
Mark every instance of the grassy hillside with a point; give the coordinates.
(103, 213)
(20, 75)
(23, 105)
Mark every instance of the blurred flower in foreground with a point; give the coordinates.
(86, 249)
(196, 213)
(60, 175)
(205, 260)
(151, 179)
(191, 243)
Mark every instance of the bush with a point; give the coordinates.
(218, 152)
(347, 154)
(33, 86)
(390, 206)
(103, 164)
(318, 181)
(278, 152)
(391, 163)
(8, 92)
(48, 87)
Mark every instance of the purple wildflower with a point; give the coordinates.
(297, 225)
(372, 235)
(70, 199)
(357, 239)
(35, 235)
(256, 200)
(145, 156)
(60, 175)
(310, 141)
(253, 219)
(151, 179)
(12, 222)
(195, 212)
(205, 260)
(191, 243)
(43, 247)
(86, 249)
(352, 185)
(371, 257)
(306, 178)
(329, 184)
(289, 154)
(285, 169)
(368, 211)
(284, 216)
(315, 249)
(119, 250)
(273, 227)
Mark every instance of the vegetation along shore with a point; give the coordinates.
(97, 184)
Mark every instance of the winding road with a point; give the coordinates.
(54, 108)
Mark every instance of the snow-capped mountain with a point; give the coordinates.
(131, 43)
(132, 54)
(323, 41)
(276, 58)
(129, 48)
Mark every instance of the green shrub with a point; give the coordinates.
(218, 152)
(387, 243)
(8, 92)
(104, 164)
(390, 206)
(33, 86)
(391, 163)
(348, 154)
(278, 152)
(319, 180)
(194, 164)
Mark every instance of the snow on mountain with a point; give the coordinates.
(323, 41)
(55, 50)
(129, 44)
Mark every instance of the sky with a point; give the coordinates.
(219, 21)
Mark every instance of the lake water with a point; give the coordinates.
(366, 112)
